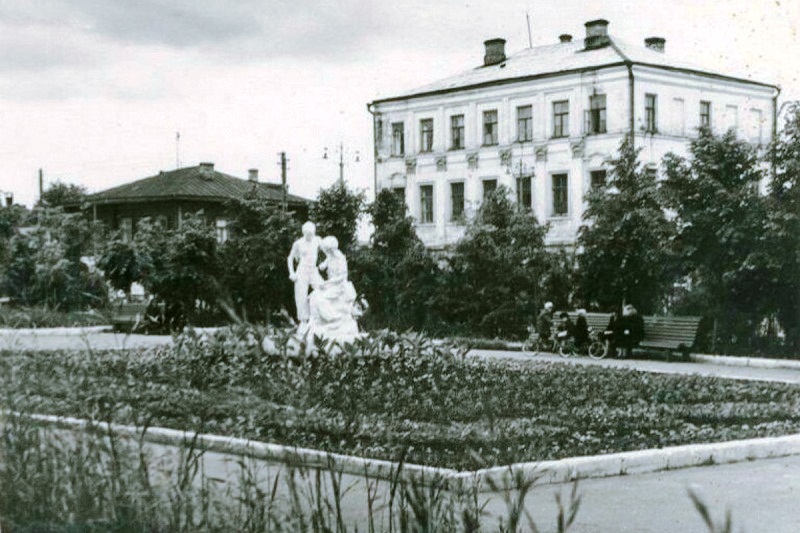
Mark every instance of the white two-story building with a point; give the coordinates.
(543, 123)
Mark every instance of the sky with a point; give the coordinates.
(94, 91)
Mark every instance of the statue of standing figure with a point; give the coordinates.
(329, 311)
(305, 252)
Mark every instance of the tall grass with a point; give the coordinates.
(55, 480)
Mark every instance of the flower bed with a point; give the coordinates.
(416, 400)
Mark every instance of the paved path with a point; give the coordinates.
(672, 367)
(762, 497)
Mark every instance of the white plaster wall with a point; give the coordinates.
(678, 114)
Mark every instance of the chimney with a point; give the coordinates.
(655, 43)
(206, 168)
(495, 52)
(252, 174)
(9, 199)
(596, 34)
(565, 38)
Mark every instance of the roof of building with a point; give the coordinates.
(565, 58)
(200, 182)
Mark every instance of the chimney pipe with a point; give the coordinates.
(565, 38)
(206, 167)
(252, 174)
(495, 52)
(596, 34)
(655, 43)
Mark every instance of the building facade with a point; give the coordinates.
(543, 123)
(170, 196)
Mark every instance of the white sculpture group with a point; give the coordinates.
(328, 311)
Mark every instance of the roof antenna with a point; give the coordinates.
(177, 149)
(530, 39)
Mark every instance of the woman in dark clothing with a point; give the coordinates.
(581, 330)
(628, 330)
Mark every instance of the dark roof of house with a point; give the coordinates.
(201, 183)
(567, 58)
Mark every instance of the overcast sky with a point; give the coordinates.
(93, 91)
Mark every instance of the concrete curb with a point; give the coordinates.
(486, 480)
(754, 362)
(55, 331)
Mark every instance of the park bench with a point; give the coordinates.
(129, 316)
(670, 333)
(597, 322)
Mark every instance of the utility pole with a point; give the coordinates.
(41, 187)
(341, 160)
(284, 202)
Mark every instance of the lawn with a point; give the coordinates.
(418, 400)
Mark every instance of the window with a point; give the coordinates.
(457, 201)
(524, 123)
(650, 125)
(597, 179)
(126, 228)
(426, 135)
(222, 230)
(398, 139)
(490, 127)
(560, 194)
(426, 204)
(705, 114)
(457, 132)
(597, 114)
(561, 118)
(524, 193)
(489, 186)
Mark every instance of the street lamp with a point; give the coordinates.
(341, 150)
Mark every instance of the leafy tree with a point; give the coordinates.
(254, 258)
(720, 228)
(47, 265)
(186, 274)
(782, 231)
(337, 212)
(493, 283)
(397, 274)
(125, 261)
(625, 240)
(59, 194)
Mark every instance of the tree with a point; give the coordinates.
(493, 282)
(782, 231)
(185, 271)
(625, 239)
(720, 227)
(60, 194)
(254, 258)
(47, 263)
(397, 274)
(337, 212)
